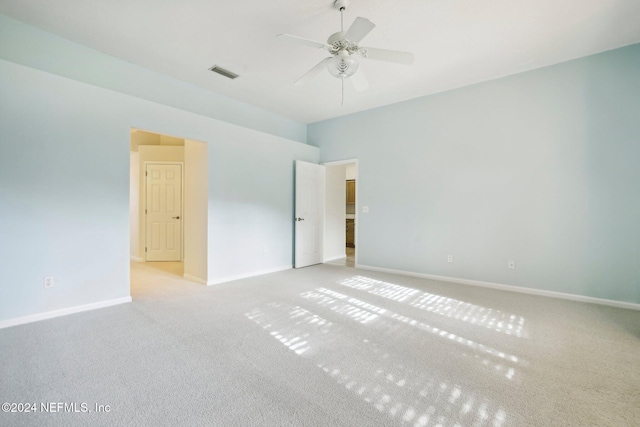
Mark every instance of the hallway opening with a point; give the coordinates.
(175, 245)
(341, 213)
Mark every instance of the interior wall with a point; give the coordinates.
(196, 178)
(540, 168)
(65, 198)
(251, 204)
(139, 138)
(171, 141)
(351, 171)
(151, 153)
(134, 206)
(335, 212)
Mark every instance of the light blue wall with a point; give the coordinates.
(63, 193)
(541, 167)
(64, 190)
(30, 46)
(251, 201)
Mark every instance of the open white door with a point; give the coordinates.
(163, 210)
(309, 218)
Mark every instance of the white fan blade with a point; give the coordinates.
(312, 72)
(359, 29)
(304, 42)
(359, 81)
(386, 55)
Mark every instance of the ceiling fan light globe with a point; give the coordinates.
(342, 66)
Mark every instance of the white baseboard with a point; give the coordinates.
(252, 274)
(194, 279)
(511, 288)
(335, 258)
(136, 259)
(62, 312)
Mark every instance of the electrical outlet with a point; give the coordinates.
(512, 264)
(449, 258)
(49, 282)
(365, 209)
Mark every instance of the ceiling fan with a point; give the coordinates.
(345, 52)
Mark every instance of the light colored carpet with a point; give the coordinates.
(327, 346)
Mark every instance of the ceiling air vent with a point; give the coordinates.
(223, 72)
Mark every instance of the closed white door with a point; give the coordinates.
(309, 219)
(164, 212)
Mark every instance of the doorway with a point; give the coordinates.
(341, 222)
(168, 209)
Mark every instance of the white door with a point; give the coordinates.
(309, 218)
(164, 212)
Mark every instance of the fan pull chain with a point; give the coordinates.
(342, 104)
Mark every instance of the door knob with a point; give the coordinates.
(175, 217)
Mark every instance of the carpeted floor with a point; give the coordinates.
(326, 346)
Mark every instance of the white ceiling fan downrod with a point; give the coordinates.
(342, 65)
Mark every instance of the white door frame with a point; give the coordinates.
(348, 162)
(144, 197)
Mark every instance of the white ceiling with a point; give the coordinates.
(455, 42)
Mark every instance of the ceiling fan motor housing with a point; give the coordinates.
(336, 37)
(338, 44)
